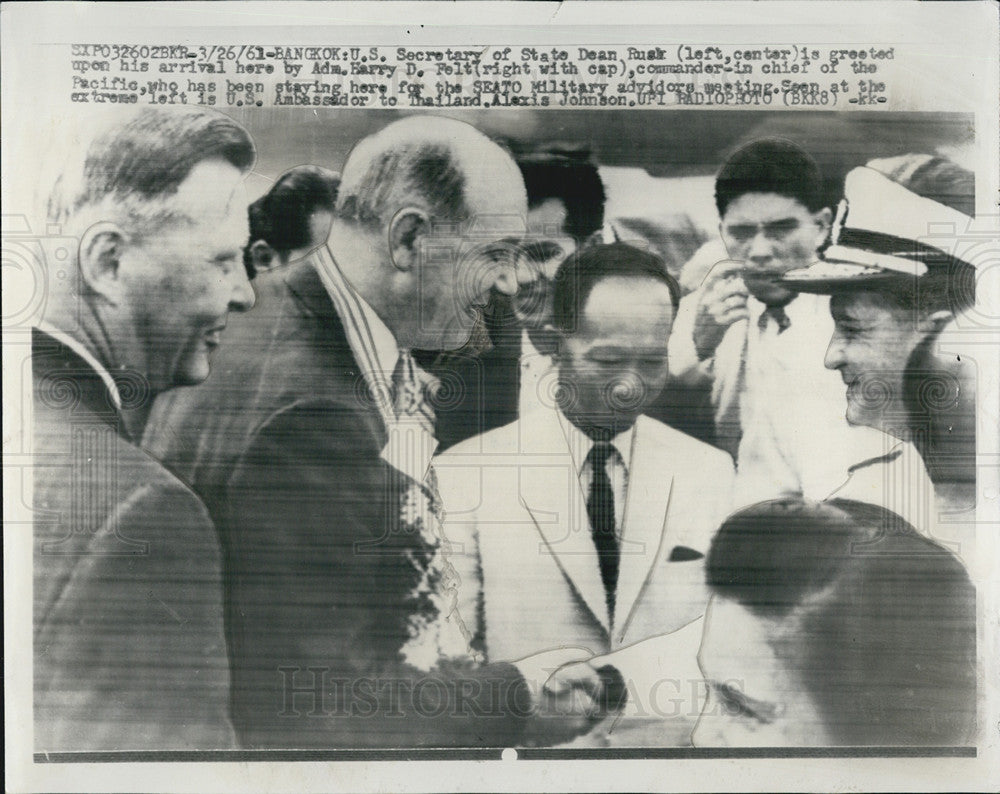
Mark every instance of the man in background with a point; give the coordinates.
(585, 525)
(758, 346)
(130, 651)
(292, 218)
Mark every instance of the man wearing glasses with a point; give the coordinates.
(759, 346)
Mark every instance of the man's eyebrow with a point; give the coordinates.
(222, 256)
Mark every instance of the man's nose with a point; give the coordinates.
(834, 358)
(243, 297)
(759, 249)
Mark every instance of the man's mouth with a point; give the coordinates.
(214, 336)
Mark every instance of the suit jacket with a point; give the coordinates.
(129, 645)
(328, 586)
(520, 538)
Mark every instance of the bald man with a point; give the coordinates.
(339, 593)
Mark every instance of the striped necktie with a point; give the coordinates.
(409, 393)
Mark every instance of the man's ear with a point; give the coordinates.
(934, 322)
(594, 238)
(261, 256)
(101, 250)
(405, 230)
(823, 219)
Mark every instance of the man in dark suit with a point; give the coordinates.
(340, 596)
(128, 623)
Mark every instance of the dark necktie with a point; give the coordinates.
(601, 511)
(779, 315)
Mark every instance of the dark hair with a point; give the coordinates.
(771, 165)
(577, 276)
(572, 178)
(149, 155)
(884, 619)
(281, 216)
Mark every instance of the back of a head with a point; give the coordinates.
(770, 166)
(126, 166)
(579, 273)
(433, 162)
(572, 178)
(882, 620)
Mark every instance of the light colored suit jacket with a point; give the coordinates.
(516, 521)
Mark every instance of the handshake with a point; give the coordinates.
(572, 691)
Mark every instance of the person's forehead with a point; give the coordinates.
(493, 183)
(862, 305)
(762, 207)
(613, 301)
(548, 217)
(741, 645)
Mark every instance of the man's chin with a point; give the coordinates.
(193, 373)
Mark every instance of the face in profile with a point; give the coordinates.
(182, 281)
(771, 234)
(462, 262)
(755, 697)
(613, 366)
(871, 344)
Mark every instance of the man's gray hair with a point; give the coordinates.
(420, 160)
(127, 171)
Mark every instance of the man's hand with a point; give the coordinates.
(723, 302)
(565, 690)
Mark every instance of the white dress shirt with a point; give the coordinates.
(617, 465)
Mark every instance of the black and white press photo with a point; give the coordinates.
(539, 394)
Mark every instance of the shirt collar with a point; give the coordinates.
(580, 443)
(79, 349)
(386, 349)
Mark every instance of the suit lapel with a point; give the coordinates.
(645, 530)
(551, 493)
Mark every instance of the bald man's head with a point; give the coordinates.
(443, 166)
(422, 208)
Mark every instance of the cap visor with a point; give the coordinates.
(826, 277)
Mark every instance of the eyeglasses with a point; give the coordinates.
(772, 230)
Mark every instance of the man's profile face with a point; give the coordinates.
(614, 364)
(182, 280)
(755, 694)
(871, 344)
(460, 268)
(771, 234)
